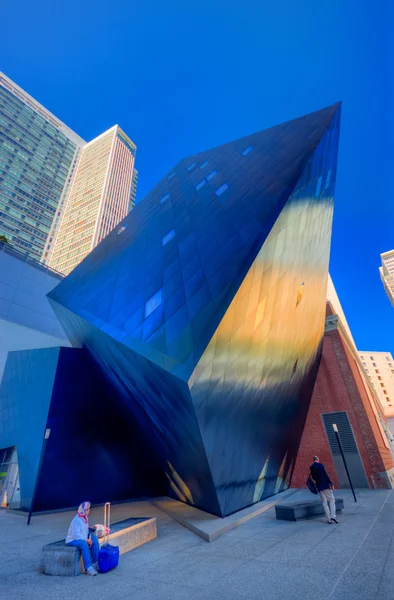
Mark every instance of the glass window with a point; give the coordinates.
(201, 184)
(318, 186)
(211, 175)
(121, 230)
(164, 198)
(167, 238)
(153, 302)
(190, 167)
(221, 189)
(247, 150)
(171, 175)
(328, 178)
(204, 164)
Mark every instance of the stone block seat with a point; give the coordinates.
(293, 511)
(59, 559)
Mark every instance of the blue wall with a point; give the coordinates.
(25, 396)
(95, 451)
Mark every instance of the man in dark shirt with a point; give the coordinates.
(325, 487)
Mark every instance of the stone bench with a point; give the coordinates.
(302, 510)
(59, 559)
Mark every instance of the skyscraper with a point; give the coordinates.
(98, 199)
(387, 273)
(133, 194)
(38, 154)
(379, 367)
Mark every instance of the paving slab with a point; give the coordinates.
(262, 558)
(210, 527)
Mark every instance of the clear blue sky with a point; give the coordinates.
(180, 77)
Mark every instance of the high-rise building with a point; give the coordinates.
(387, 273)
(38, 154)
(98, 199)
(133, 193)
(379, 367)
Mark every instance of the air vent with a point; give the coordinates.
(345, 432)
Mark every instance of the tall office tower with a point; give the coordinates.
(387, 273)
(379, 367)
(98, 199)
(133, 193)
(38, 154)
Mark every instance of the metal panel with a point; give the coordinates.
(199, 338)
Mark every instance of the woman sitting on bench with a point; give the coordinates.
(79, 535)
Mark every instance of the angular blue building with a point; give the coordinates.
(201, 316)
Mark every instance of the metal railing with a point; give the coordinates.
(8, 249)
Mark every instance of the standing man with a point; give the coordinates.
(325, 487)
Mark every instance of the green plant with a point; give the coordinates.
(3, 239)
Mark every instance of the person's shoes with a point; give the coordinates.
(95, 566)
(333, 520)
(329, 521)
(92, 571)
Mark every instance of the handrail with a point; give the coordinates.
(8, 249)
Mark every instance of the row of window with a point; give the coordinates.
(244, 152)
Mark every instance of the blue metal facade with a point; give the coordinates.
(204, 310)
(90, 452)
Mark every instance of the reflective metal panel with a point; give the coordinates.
(211, 339)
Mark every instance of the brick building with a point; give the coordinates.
(343, 395)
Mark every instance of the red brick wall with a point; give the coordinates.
(339, 387)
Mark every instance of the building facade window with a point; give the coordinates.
(167, 238)
(221, 189)
(201, 184)
(211, 175)
(164, 198)
(247, 151)
(153, 302)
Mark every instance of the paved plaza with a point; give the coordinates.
(262, 559)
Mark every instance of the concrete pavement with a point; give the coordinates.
(262, 559)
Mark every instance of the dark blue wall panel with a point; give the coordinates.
(95, 450)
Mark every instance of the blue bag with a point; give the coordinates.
(108, 558)
(108, 555)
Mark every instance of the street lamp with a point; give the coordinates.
(335, 428)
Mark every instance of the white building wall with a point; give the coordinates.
(27, 320)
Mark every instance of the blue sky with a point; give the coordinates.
(180, 77)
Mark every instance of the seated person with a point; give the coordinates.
(79, 535)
